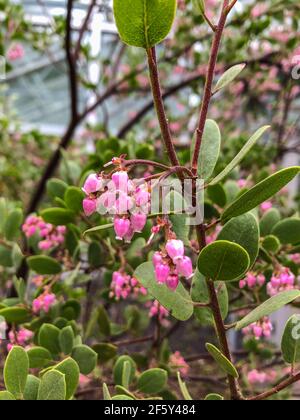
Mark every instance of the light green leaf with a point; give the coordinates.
(70, 369)
(199, 293)
(103, 321)
(31, 388)
(288, 231)
(52, 387)
(290, 344)
(106, 393)
(56, 188)
(122, 398)
(210, 149)
(152, 381)
(183, 388)
(223, 260)
(243, 230)
(126, 374)
(86, 358)
(199, 5)
(271, 243)
(178, 303)
(229, 76)
(119, 369)
(39, 357)
(6, 396)
(144, 23)
(98, 229)
(13, 224)
(49, 338)
(221, 360)
(16, 370)
(240, 156)
(260, 193)
(271, 305)
(44, 265)
(66, 340)
(214, 397)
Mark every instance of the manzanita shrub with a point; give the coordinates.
(170, 242)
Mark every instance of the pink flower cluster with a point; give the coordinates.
(170, 264)
(43, 303)
(15, 52)
(128, 201)
(51, 236)
(283, 280)
(158, 310)
(177, 361)
(252, 281)
(123, 285)
(19, 338)
(255, 377)
(260, 329)
(295, 258)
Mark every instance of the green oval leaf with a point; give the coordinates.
(210, 149)
(31, 388)
(221, 360)
(73, 198)
(70, 369)
(39, 357)
(183, 388)
(178, 303)
(260, 193)
(16, 370)
(271, 244)
(268, 221)
(66, 340)
(144, 23)
(229, 76)
(223, 260)
(214, 397)
(56, 188)
(152, 381)
(105, 351)
(290, 344)
(271, 305)
(49, 338)
(15, 315)
(240, 156)
(288, 231)
(44, 265)
(86, 358)
(199, 293)
(6, 396)
(13, 224)
(119, 368)
(243, 230)
(52, 387)
(58, 216)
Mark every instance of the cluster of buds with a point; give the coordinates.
(19, 338)
(157, 310)
(172, 263)
(44, 302)
(252, 281)
(123, 285)
(281, 281)
(177, 362)
(51, 236)
(255, 377)
(15, 52)
(260, 329)
(127, 200)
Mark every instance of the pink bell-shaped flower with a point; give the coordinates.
(175, 249)
(89, 206)
(185, 267)
(162, 272)
(121, 227)
(138, 222)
